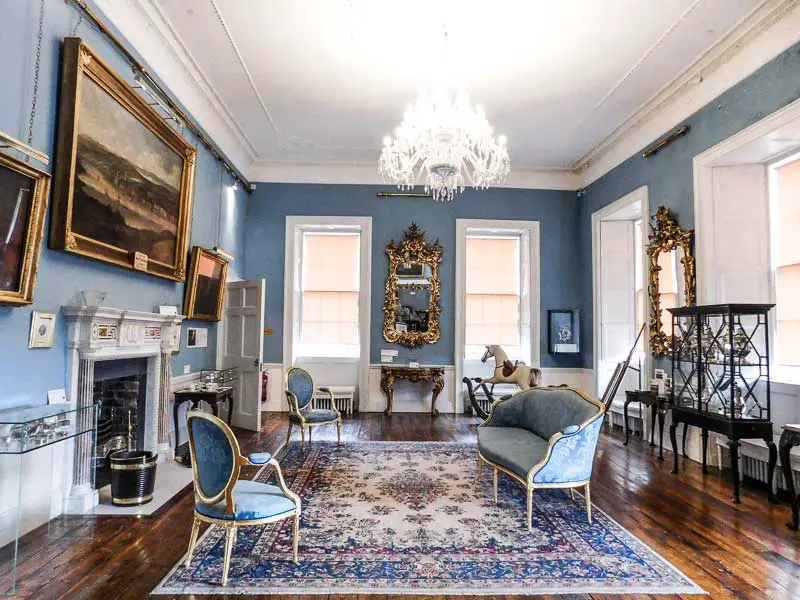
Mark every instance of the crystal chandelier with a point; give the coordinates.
(444, 145)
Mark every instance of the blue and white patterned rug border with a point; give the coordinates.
(207, 590)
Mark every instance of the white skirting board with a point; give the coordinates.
(415, 397)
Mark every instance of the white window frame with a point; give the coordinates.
(292, 286)
(779, 371)
(530, 296)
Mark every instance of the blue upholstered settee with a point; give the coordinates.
(542, 437)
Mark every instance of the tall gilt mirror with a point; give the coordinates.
(671, 263)
(412, 305)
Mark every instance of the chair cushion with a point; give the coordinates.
(259, 458)
(514, 448)
(316, 415)
(251, 500)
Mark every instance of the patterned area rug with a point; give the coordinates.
(412, 518)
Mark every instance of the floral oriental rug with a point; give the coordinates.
(413, 518)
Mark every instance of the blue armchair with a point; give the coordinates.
(221, 498)
(543, 438)
(300, 393)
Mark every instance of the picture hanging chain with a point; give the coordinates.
(36, 68)
(77, 24)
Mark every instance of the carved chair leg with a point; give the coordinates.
(295, 537)
(339, 432)
(226, 563)
(303, 438)
(494, 484)
(588, 503)
(192, 540)
(289, 433)
(530, 508)
(572, 494)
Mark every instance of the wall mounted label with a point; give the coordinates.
(140, 261)
(57, 396)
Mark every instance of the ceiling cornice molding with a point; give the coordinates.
(763, 34)
(145, 27)
(367, 174)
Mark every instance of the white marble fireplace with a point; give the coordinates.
(100, 333)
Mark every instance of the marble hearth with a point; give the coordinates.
(101, 333)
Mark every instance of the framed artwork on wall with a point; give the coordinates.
(43, 329)
(23, 201)
(564, 331)
(205, 287)
(123, 180)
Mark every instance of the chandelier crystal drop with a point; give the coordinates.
(445, 146)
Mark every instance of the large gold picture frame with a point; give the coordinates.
(123, 176)
(205, 287)
(413, 250)
(23, 202)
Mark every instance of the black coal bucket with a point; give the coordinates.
(133, 476)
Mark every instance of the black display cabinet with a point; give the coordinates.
(720, 374)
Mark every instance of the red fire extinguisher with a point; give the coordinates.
(264, 385)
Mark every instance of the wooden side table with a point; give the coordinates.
(214, 398)
(413, 374)
(660, 406)
(790, 437)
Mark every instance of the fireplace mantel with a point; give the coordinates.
(109, 333)
(98, 333)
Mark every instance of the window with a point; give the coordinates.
(492, 291)
(785, 217)
(329, 294)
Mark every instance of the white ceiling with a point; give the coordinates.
(320, 82)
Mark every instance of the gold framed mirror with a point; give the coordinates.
(670, 259)
(412, 305)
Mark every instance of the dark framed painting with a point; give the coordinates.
(564, 331)
(23, 202)
(123, 176)
(205, 287)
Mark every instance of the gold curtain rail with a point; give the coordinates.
(403, 195)
(680, 131)
(139, 68)
(7, 141)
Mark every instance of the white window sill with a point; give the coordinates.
(329, 359)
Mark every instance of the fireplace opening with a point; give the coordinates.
(120, 391)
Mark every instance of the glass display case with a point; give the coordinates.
(43, 479)
(218, 377)
(720, 374)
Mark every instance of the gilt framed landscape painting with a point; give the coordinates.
(23, 201)
(205, 287)
(123, 176)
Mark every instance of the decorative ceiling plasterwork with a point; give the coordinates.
(764, 32)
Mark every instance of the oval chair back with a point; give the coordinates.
(300, 383)
(213, 450)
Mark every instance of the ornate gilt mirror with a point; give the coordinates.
(412, 305)
(671, 268)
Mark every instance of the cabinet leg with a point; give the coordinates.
(625, 423)
(654, 410)
(773, 460)
(674, 439)
(734, 448)
(705, 449)
(786, 464)
(660, 434)
(683, 441)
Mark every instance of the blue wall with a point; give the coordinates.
(556, 211)
(217, 217)
(669, 174)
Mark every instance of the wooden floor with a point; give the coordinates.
(731, 551)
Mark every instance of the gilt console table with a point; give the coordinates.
(413, 374)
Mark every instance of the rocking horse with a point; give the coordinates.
(504, 372)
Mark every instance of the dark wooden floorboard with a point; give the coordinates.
(731, 551)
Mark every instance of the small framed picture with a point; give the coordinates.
(43, 329)
(564, 336)
(196, 337)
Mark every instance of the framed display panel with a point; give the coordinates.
(23, 202)
(564, 331)
(123, 177)
(205, 287)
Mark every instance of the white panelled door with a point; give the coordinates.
(244, 347)
(617, 296)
